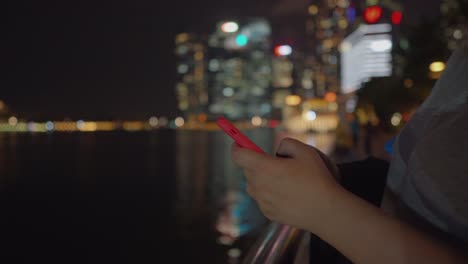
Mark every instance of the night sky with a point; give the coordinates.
(108, 59)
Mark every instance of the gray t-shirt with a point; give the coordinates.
(429, 169)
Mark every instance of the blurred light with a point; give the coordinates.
(342, 23)
(230, 27)
(198, 55)
(333, 106)
(313, 9)
(213, 65)
(80, 124)
(372, 14)
(396, 119)
(183, 105)
(183, 68)
(49, 126)
(437, 66)
(372, 2)
(342, 3)
(182, 49)
(328, 44)
(351, 104)
(406, 116)
(88, 127)
(351, 14)
(311, 115)
(332, 59)
(234, 253)
(345, 46)
(326, 23)
(404, 44)
(452, 45)
(31, 126)
(273, 123)
(65, 126)
(241, 40)
(202, 117)
(12, 121)
(283, 50)
(293, 100)
(381, 45)
(225, 240)
(182, 37)
(153, 121)
(397, 16)
(133, 125)
(457, 34)
(228, 92)
(179, 121)
(330, 97)
(163, 121)
(105, 126)
(2, 105)
(256, 121)
(408, 83)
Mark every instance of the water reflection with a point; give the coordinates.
(206, 174)
(145, 194)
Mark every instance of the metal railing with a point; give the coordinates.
(278, 244)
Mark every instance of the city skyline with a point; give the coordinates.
(103, 61)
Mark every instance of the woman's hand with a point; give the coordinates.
(294, 188)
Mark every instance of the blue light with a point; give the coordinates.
(351, 14)
(241, 40)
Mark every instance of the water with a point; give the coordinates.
(148, 197)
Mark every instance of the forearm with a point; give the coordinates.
(364, 234)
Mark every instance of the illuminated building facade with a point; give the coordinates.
(327, 24)
(229, 73)
(191, 86)
(375, 47)
(239, 69)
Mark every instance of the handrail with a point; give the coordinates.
(278, 244)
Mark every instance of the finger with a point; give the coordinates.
(267, 209)
(292, 148)
(246, 158)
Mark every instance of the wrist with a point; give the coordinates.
(327, 210)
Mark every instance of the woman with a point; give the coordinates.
(424, 214)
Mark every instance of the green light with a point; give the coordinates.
(241, 40)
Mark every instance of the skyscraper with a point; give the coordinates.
(191, 86)
(229, 73)
(327, 24)
(239, 69)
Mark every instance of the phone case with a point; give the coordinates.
(237, 135)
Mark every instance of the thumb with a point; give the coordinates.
(292, 148)
(247, 158)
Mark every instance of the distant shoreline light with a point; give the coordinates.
(85, 126)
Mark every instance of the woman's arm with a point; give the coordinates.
(300, 191)
(365, 234)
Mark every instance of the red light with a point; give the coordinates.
(397, 16)
(406, 116)
(372, 14)
(330, 97)
(283, 50)
(273, 123)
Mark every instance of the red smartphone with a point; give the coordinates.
(241, 139)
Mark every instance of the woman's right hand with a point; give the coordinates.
(297, 190)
